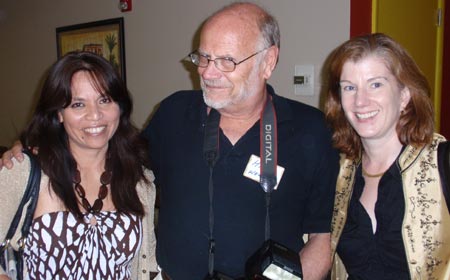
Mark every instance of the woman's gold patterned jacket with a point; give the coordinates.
(426, 224)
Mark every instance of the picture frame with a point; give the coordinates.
(104, 37)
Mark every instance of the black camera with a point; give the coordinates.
(274, 261)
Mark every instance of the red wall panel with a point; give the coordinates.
(360, 17)
(445, 96)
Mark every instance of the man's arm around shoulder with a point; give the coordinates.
(315, 256)
(16, 152)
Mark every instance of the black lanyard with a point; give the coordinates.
(268, 164)
(268, 156)
(211, 154)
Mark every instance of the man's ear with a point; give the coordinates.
(270, 61)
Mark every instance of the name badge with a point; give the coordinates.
(252, 170)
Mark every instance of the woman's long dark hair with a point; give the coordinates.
(127, 152)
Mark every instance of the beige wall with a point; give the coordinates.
(158, 34)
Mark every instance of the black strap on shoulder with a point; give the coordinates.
(444, 170)
(211, 138)
(211, 155)
(30, 195)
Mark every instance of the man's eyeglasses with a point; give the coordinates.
(224, 64)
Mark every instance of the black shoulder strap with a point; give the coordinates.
(29, 200)
(30, 195)
(211, 155)
(444, 170)
(211, 138)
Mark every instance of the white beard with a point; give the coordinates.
(248, 89)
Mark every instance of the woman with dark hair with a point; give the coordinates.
(94, 215)
(390, 215)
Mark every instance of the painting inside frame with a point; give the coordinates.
(105, 38)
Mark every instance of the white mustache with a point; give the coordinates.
(215, 83)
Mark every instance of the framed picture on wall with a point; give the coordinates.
(104, 37)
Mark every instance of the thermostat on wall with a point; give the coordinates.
(304, 80)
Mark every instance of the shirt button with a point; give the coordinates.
(144, 256)
(144, 271)
(413, 262)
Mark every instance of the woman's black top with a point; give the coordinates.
(381, 255)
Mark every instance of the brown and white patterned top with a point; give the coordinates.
(60, 246)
